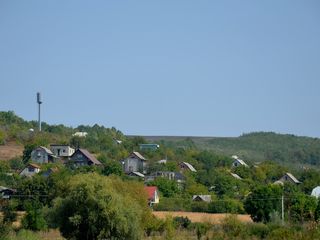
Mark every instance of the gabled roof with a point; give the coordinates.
(48, 151)
(236, 176)
(33, 165)
(240, 161)
(151, 191)
(88, 155)
(205, 198)
(191, 168)
(138, 155)
(292, 178)
(137, 174)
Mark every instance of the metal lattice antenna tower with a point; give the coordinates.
(39, 103)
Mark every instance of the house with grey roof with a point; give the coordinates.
(288, 178)
(42, 155)
(135, 162)
(238, 162)
(83, 157)
(184, 166)
(202, 198)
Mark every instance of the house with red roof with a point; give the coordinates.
(153, 194)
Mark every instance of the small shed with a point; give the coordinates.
(30, 170)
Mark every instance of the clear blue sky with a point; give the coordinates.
(205, 68)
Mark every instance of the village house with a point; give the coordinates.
(64, 151)
(201, 198)
(82, 157)
(30, 170)
(184, 166)
(287, 178)
(135, 162)
(238, 162)
(153, 194)
(42, 155)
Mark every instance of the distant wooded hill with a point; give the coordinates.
(255, 147)
(285, 149)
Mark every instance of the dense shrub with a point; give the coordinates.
(173, 204)
(226, 206)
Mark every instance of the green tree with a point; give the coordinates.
(262, 201)
(28, 148)
(112, 167)
(167, 187)
(97, 207)
(34, 218)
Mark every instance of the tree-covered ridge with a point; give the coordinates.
(257, 147)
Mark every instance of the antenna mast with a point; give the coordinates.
(39, 103)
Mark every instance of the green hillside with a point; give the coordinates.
(256, 147)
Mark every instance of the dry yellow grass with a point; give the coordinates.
(213, 218)
(10, 150)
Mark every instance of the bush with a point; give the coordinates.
(173, 204)
(226, 206)
(181, 222)
(200, 228)
(34, 219)
(259, 230)
(232, 226)
(199, 206)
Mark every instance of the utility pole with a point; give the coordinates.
(282, 209)
(39, 103)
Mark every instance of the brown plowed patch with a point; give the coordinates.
(213, 218)
(10, 150)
